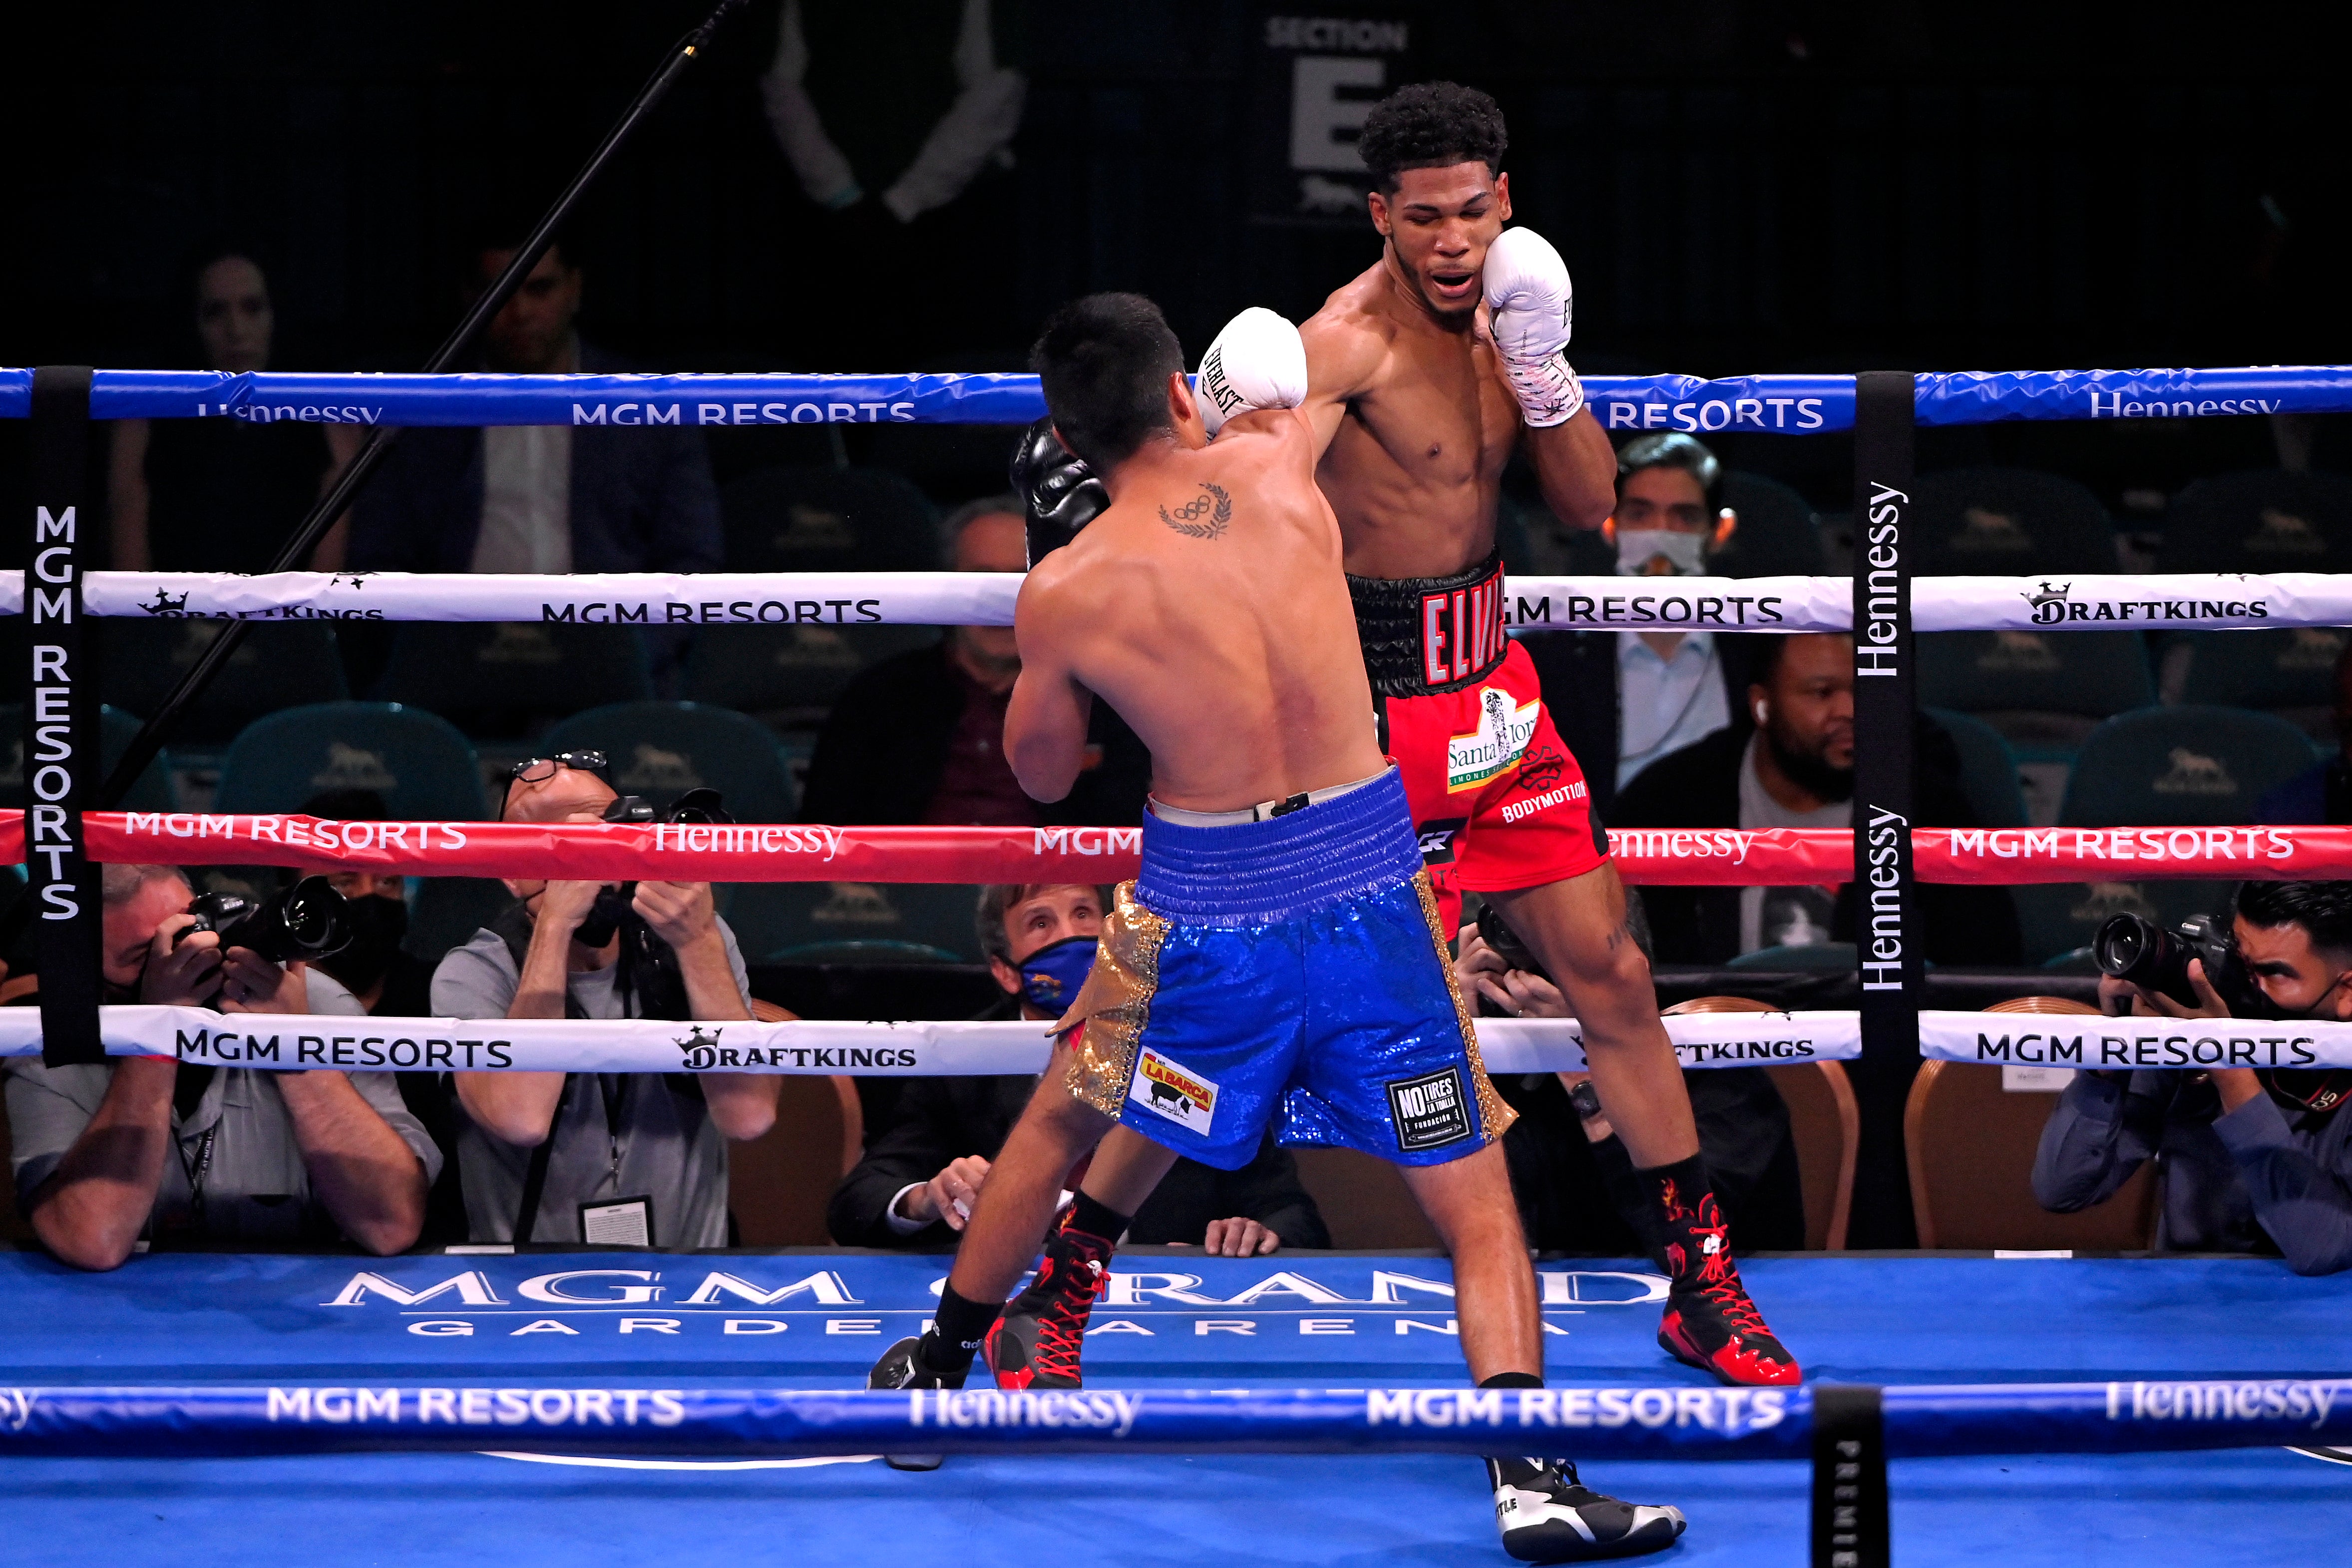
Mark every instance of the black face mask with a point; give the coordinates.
(378, 925)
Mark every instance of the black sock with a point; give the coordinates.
(1512, 1472)
(1682, 1200)
(957, 1327)
(1098, 1218)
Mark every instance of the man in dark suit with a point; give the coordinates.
(540, 499)
(925, 1165)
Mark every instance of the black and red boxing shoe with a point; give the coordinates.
(1710, 1322)
(1037, 1341)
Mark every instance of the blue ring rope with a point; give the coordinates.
(1769, 404)
(1679, 1423)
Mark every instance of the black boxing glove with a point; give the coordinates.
(1059, 494)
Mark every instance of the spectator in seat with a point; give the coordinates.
(222, 494)
(635, 1158)
(920, 738)
(147, 1146)
(2321, 796)
(1576, 1183)
(2252, 1159)
(1795, 769)
(1635, 696)
(924, 1167)
(541, 498)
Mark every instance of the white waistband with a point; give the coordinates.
(1262, 811)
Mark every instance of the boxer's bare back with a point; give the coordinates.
(1206, 605)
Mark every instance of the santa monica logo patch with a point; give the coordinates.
(1503, 732)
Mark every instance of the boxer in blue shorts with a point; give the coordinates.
(1280, 957)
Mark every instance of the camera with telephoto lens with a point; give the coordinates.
(696, 807)
(2156, 960)
(308, 920)
(1497, 933)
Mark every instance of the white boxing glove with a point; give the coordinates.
(1258, 361)
(1532, 304)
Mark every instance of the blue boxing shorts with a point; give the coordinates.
(1291, 966)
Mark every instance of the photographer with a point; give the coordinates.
(1575, 1182)
(607, 1157)
(145, 1145)
(2253, 1160)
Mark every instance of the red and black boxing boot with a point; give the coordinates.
(1040, 1338)
(1710, 1322)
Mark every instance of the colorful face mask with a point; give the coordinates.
(1050, 976)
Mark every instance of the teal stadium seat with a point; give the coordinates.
(790, 677)
(853, 922)
(2038, 688)
(2258, 520)
(152, 791)
(1987, 769)
(281, 664)
(1778, 533)
(661, 749)
(827, 519)
(1810, 957)
(2289, 672)
(2005, 522)
(511, 679)
(2174, 767)
(424, 769)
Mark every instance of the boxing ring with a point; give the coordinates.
(547, 1405)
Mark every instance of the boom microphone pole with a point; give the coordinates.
(157, 729)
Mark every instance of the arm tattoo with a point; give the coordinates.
(1213, 504)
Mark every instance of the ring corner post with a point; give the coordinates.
(1850, 1526)
(62, 727)
(1887, 925)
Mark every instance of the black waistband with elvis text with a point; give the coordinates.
(1424, 635)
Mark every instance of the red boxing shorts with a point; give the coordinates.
(1497, 800)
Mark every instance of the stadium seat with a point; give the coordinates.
(660, 750)
(444, 912)
(2008, 522)
(281, 664)
(1811, 957)
(2181, 767)
(852, 921)
(1779, 534)
(828, 519)
(1364, 1202)
(778, 1184)
(1824, 1122)
(2057, 918)
(500, 679)
(1970, 1141)
(2289, 672)
(424, 769)
(1987, 769)
(151, 791)
(790, 677)
(2037, 688)
(2259, 520)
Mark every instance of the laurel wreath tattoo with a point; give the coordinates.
(1215, 506)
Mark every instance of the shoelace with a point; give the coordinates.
(1073, 1288)
(1731, 1300)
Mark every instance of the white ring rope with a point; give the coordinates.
(2103, 602)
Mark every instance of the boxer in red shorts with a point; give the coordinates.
(1425, 374)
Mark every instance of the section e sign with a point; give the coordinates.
(1316, 76)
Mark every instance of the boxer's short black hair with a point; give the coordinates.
(1431, 125)
(2324, 909)
(1105, 361)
